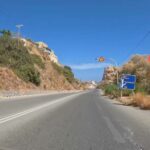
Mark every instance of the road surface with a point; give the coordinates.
(73, 121)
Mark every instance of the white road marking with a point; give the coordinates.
(21, 97)
(23, 113)
(129, 134)
(114, 131)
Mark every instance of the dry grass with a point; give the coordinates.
(127, 101)
(142, 101)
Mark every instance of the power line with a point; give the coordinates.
(145, 36)
(137, 45)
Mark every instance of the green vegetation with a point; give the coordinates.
(5, 33)
(38, 61)
(16, 57)
(139, 66)
(113, 90)
(66, 71)
(68, 74)
(28, 73)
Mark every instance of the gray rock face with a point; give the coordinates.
(109, 74)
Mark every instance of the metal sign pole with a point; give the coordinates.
(133, 92)
(121, 93)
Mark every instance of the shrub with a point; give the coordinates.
(139, 66)
(126, 92)
(37, 60)
(142, 101)
(66, 71)
(140, 88)
(28, 74)
(5, 33)
(112, 89)
(15, 56)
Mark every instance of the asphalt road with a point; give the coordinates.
(73, 121)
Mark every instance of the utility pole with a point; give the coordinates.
(19, 26)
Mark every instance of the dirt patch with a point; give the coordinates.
(127, 101)
(9, 81)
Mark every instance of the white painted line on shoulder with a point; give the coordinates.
(23, 113)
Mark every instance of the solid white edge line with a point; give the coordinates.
(28, 111)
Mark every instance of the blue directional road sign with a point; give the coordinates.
(128, 81)
(129, 78)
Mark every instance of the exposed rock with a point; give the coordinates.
(54, 58)
(51, 79)
(42, 45)
(109, 75)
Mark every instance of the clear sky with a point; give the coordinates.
(81, 30)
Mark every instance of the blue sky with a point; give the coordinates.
(81, 30)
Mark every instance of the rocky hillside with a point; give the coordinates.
(109, 75)
(26, 65)
(138, 65)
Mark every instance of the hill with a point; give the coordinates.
(26, 65)
(138, 65)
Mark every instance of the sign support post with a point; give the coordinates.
(121, 93)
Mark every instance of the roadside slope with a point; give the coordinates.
(26, 65)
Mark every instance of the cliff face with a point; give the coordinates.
(42, 68)
(50, 53)
(109, 75)
(41, 49)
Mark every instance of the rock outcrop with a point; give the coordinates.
(51, 78)
(110, 74)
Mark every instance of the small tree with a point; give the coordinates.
(68, 73)
(5, 33)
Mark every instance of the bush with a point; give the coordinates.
(37, 60)
(142, 101)
(126, 92)
(112, 89)
(5, 33)
(139, 66)
(140, 88)
(28, 73)
(16, 57)
(66, 71)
